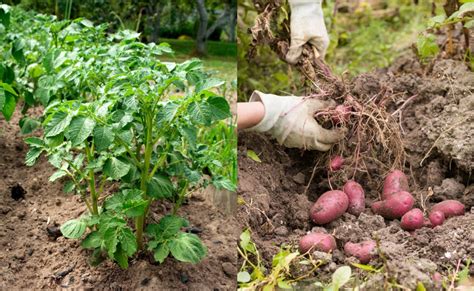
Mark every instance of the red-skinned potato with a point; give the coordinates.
(395, 206)
(395, 182)
(342, 114)
(449, 208)
(362, 251)
(329, 206)
(336, 163)
(356, 195)
(436, 218)
(316, 241)
(412, 220)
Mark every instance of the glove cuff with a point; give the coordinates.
(272, 106)
(296, 2)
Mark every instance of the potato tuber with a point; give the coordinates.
(395, 182)
(356, 196)
(395, 206)
(363, 251)
(412, 220)
(329, 207)
(317, 242)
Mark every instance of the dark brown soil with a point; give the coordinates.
(437, 129)
(31, 258)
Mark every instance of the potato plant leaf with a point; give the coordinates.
(115, 168)
(79, 129)
(160, 187)
(74, 228)
(187, 247)
(58, 123)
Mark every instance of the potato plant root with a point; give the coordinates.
(278, 191)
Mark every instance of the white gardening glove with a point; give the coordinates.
(307, 25)
(290, 120)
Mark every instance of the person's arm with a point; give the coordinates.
(249, 114)
(288, 119)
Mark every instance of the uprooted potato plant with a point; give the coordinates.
(374, 137)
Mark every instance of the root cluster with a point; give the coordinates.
(373, 144)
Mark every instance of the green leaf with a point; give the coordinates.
(466, 8)
(34, 141)
(56, 175)
(224, 183)
(32, 155)
(128, 242)
(187, 247)
(167, 227)
(115, 168)
(365, 267)
(121, 258)
(134, 208)
(58, 123)
(160, 187)
(80, 129)
(427, 46)
(219, 107)
(8, 88)
(168, 112)
(2, 98)
(469, 24)
(208, 83)
(438, 19)
(243, 277)
(161, 252)
(69, 186)
(284, 285)
(93, 240)
(252, 155)
(74, 228)
(420, 287)
(28, 125)
(341, 276)
(111, 241)
(8, 106)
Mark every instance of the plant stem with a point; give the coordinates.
(94, 198)
(140, 221)
(182, 193)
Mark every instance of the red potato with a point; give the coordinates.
(395, 182)
(329, 207)
(436, 218)
(342, 114)
(412, 220)
(449, 208)
(363, 251)
(317, 242)
(395, 206)
(336, 163)
(356, 195)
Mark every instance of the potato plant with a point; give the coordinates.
(116, 117)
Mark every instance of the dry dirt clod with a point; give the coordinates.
(229, 269)
(17, 192)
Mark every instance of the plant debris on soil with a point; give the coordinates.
(35, 255)
(434, 108)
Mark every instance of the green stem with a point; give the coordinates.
(140, 221)
(182, 194)
(94, 198)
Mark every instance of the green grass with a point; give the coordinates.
(221, 60)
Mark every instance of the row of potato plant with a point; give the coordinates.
(114, 114)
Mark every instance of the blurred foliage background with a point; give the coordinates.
(180, 23)
(364, 35)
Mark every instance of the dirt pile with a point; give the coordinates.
(435, 116)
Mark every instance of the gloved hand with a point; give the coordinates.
(290, 120)
(307, 25)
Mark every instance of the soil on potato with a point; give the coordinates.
(31, 258)
(438, 129)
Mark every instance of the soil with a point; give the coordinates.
(437, 126)
(34, 254)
